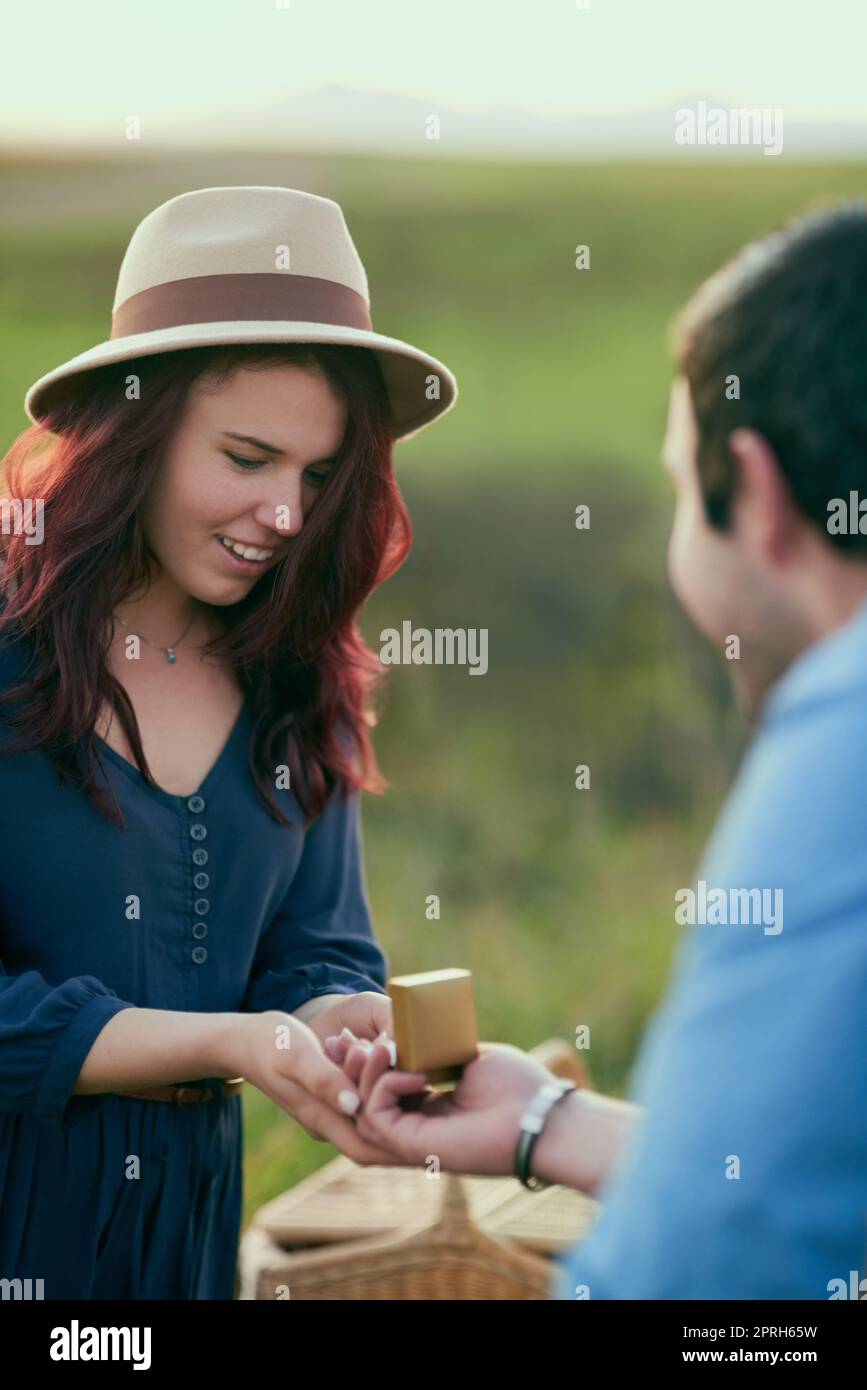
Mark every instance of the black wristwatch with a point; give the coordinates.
(533, 1122)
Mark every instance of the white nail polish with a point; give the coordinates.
(348, 1102)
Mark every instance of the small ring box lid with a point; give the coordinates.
(434, 1016)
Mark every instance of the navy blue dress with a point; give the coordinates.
(235, 913)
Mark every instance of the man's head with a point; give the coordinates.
(767, 425)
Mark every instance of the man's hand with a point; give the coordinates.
(471, 1129)
(474, 1128)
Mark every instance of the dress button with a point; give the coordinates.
(201, 906)
(200, 856)
(200, 880)
(200, 955)
(196, 804)
(197, 832)
(200, 929)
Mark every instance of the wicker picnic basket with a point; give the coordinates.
(348, 1232)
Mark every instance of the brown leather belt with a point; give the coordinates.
(182, 1093)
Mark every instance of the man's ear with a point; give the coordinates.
(764, 511)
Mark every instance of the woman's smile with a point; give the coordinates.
(252, 560)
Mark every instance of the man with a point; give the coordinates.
(738, 1169)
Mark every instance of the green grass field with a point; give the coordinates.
(560, 901)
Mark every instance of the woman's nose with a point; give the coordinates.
(285, 513)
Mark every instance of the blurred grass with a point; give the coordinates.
(560, 901)
(474, 260)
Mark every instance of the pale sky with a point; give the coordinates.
(200, 71)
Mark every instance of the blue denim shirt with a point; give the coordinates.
(747, 1175)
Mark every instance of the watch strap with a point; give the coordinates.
(533, 1122)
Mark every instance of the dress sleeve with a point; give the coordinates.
(45, 1034)
(46, 1031)
(321, 940)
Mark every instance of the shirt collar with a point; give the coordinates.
(834, 664)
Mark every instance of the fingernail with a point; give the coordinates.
(368, 1046)
(329, 1042)
(348, 1102)
(392, 1050)
(348, 1033)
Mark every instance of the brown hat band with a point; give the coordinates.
(257, 295)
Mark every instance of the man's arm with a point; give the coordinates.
(748, 1174)
(584, 1140)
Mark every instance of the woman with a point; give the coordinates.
(184, 701)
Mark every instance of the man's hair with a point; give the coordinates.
(787, 317)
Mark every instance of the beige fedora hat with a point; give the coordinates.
(250, 264)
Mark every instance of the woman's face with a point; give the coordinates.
(213, 483)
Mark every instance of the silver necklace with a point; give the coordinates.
(169, 651)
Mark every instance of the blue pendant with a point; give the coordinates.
(170, 656)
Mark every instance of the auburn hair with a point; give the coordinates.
(293, 641)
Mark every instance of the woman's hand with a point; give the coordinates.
(365, 1015)
(284, 1059)
(472, 1129)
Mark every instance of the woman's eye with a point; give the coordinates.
(313, 476)
(248, 464)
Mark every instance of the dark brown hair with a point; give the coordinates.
(787, 315)
(293, 641)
